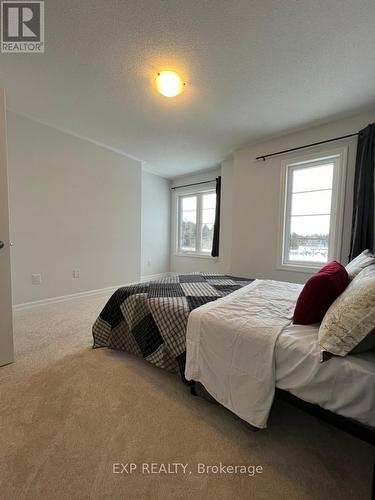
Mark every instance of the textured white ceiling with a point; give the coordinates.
(255, 69)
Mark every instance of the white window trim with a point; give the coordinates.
(208, 188)
(337, 206)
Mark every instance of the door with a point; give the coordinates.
(6, 327)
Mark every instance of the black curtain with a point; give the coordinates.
(216, 237)
(363, 200)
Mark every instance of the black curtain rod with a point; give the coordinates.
(194, 184)
(263, 157)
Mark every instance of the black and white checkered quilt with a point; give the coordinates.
(150, 319)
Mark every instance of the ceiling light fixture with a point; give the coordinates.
(169, 83)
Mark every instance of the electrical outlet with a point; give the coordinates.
(76, 273)
(36, 279)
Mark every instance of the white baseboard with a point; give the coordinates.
(64, 298)
(82, 295)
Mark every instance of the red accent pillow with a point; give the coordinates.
(320, 291)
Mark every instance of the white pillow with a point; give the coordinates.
(351, 318)
(356, 265)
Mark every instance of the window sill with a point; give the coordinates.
(299, 268)
(195, 255)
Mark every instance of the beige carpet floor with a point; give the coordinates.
(67, 413)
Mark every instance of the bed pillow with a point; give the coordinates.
(348, 326)
(320, 291)
(355, 266)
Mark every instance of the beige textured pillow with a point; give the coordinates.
(351, 318)
(355, 266)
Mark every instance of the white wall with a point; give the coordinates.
(257, 198)
(73, 205)
(156, 201)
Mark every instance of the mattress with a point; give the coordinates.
(342, 385)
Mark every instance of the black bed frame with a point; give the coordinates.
(348, 425)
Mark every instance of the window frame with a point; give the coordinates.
(178, 226)
(339, 156)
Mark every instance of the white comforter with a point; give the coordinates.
(231, 346)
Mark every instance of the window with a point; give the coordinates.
(196, 218)
(313, 203)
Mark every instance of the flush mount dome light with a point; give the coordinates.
(169, 83)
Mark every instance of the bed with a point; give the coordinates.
(235, 336)
(149, 319)
(245, 346)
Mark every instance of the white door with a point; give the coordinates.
(6, 328)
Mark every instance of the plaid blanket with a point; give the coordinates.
(150, 319)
